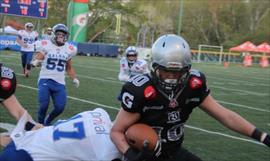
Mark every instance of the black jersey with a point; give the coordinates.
(7, 82)
(166, 115)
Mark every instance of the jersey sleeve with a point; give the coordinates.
(133, 94)
(198, 84)
(72, 49)
(7, 83)
(123, 76)
(145, 67)
(40, 46)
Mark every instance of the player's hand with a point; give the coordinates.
(76, 82)
(135, 155)
(37, 126)
(36, 63)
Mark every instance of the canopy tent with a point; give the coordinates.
(263, 48)
(245, 47)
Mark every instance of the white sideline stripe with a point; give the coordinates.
(244, 106)
(238, 90)
(86, 101)
(188, 126)
(74, 98)
(212, 86)
(225, 135)
(106, 69)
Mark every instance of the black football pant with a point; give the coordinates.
(180, 155)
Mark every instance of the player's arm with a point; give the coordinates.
(13, 106)
(123, 120)
(233, 120)
(123, 76)
(5, 140)
(15, 109)
(20, 41)
(71, 73)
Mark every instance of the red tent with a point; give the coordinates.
(264, 48)
(245, 47)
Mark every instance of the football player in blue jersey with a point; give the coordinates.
(83, 137)
(26, 39)
(165, 100)
(54, 56)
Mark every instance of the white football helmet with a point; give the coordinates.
(28, 25)
(131, 51)
(171, 53)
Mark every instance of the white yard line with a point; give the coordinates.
(188, 126)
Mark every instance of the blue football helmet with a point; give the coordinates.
(61, 34)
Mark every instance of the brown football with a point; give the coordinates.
(138, 133)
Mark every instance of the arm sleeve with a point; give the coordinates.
(7, 83)
(123, 76)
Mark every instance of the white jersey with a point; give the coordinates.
(55, 57)
(126, 72)
(28, 38)
(47, 37)
(83, 137)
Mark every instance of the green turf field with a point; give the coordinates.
(243, 90)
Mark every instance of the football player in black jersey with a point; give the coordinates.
(165, 99)
(8, 99)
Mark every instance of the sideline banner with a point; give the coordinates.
(9, 42)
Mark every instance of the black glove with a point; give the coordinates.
(266, 141)
(135, 155)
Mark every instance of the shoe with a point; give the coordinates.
(26, 73)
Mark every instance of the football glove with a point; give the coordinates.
(36, 63)
(135, 155)
(76, 82)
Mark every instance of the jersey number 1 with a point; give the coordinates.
(77, 133)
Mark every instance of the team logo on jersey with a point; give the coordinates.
(173, 103)
(174, 116)
(150, 92)
(127, 99)
(6, 84)
(195, 83)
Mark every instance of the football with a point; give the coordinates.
(138, 133)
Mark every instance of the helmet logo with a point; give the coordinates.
(195, 83)
(150, 92)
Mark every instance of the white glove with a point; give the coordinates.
(36, 63)
(76, 82)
